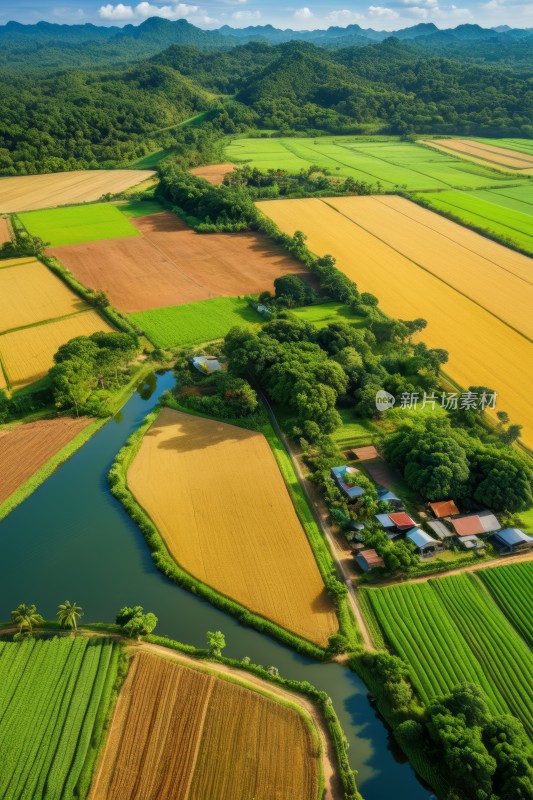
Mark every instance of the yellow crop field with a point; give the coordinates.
(30, 293)
(499, 279)
(181, 734)
(501, 158)
(483, 349)
(5, 235)
(216, 494)
(27, 354)
(29, 192)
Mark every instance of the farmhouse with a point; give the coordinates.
(512, 540)
(471, 543)
(389, 497)
(399, 521)
(368, 560)
(340, 476)
(443, 508)
(207, 364)
(439, 529)
(468, 525)
(489, 521)
(425, 545)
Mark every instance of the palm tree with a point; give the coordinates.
(68, 613)
(26, 617)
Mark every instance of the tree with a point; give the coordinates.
(25, 617)
(216, 642)
(135, 622)
(68, 614)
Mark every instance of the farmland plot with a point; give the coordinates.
(26, 448)
(88, 223)
(54, 694)
(5, 235)
(215, 740)
(170, 264)
(29, 192)
(390, 163)
(493, 155)
(30, 293)
(512, 588)
(215, 493)
(214, 173)
(27, 354)
(492, 210)
(449, 630)
(484, 350)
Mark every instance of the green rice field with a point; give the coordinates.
(390, 163)
(326, 313)
(512, 588)
(76, 224)
(203, 321)
(54, 699)
(505, 213)
(450, 630)
(140, 208)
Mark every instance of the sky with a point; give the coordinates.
(382, 15)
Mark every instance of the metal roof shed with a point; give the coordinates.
(440, 529)
(489, 521)
(340, 474)
(468, 526)
(385, 521)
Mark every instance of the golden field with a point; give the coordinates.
(181, 734)
(215, 493)
(483, 349)
(500, 158)
(29, 192)
(30, 293)
(27, 354)
(5, 235)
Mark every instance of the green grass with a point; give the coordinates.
(508, 217)
(450, 630)
(76, 224)
(140, 208)
(512, 589)
(391, 163)
(325, 313)
(54, 699)
(203, 321)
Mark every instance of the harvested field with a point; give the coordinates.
(75, 224)
(27, 354)
(500, 156)
(366, 453)
(181, 734)
(216, 495)
(5, 235)
(484, 350)
(29, 192)
(382, 473)
(214, 173)
(170, 264)
(26, 448)
(30, 293)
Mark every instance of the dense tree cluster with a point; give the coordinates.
(222, 395)
(438, 460)
(311, 182)
(88, 368)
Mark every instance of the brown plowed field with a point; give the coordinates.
(30, 293)
(495, 156)
(26, 448)
(181, 734)
(173, 265)
(4, 231)
(27, 354)
(217, 496)
(28, 192)
(484, 350)
(214, 173)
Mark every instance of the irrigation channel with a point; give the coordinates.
(71, 540)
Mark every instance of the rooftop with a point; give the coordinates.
(385, 521)
(444, 508)
(468, 526)
(489, 521)
(388, 496)
(402, 520)
(372, 558)
(207, 363)
(340, 473)
(420, 538)
(513, 536)
(439, 528)
(472, 543)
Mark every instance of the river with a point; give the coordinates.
(71, 540)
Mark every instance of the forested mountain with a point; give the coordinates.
(72, 118)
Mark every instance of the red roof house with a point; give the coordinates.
(402, 520)
(444, 508)
(468, 526)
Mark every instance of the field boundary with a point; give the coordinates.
(172, 569)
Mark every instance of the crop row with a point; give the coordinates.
(512, 588)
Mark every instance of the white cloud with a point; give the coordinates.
(382, 12)
(243, 16)
(303, 14)
(144, 10)
(419, 13)
(344, 15)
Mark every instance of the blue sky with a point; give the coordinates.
(304, 14)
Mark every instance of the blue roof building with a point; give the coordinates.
(385, 521)
(510, 540)
(339, 475)
(423, 542)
